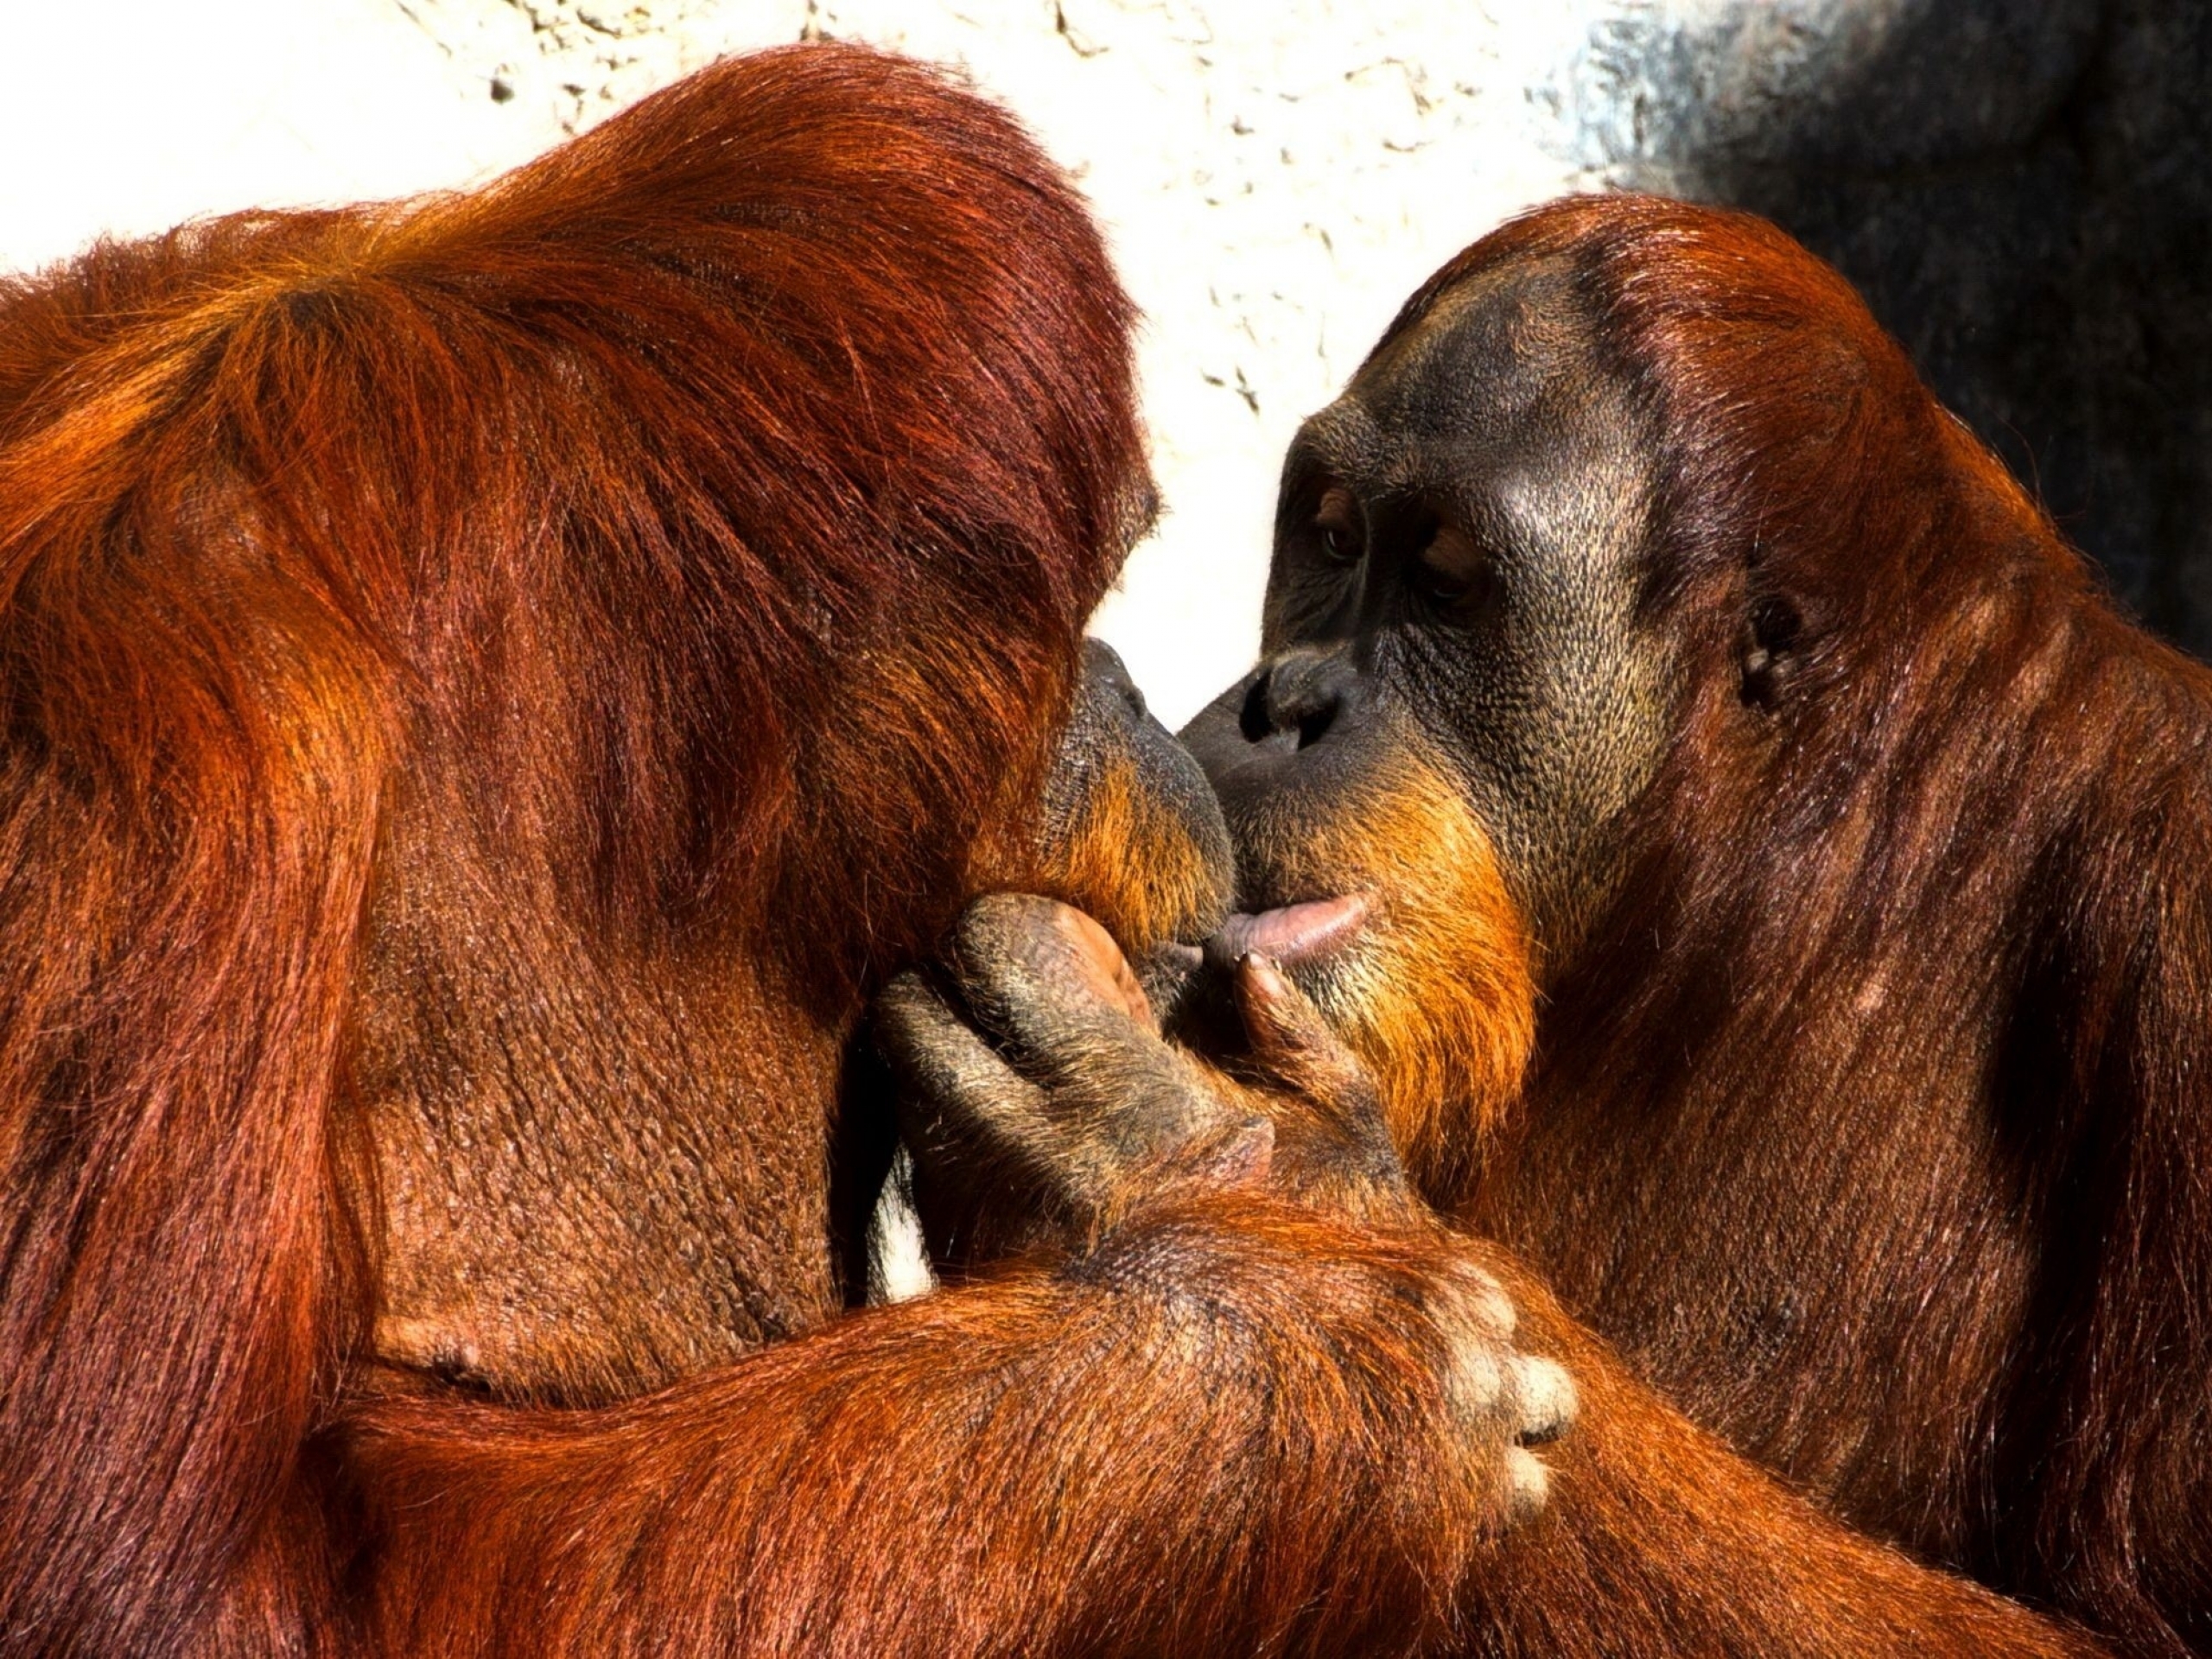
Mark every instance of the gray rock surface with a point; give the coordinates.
(2022, 189)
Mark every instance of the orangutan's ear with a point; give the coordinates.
(1772, 640)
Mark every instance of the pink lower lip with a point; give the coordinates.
(1292, 934)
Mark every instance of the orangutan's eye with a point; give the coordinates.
(1337, 520)
(1451, 570)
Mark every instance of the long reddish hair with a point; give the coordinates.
(1931, 930)
(722, 494)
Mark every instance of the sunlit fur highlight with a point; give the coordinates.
(1264, 1428)
(1872, 1120)
(625, 533)
(1662, 1538)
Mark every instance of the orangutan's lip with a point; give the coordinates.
(1293, 934)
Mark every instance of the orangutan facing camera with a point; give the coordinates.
(1863, 852)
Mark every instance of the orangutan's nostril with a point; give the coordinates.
(1253, 718)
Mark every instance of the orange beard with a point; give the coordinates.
(1436, 994)
(1129, 859)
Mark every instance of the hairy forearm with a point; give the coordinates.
(1658, 1539)
(1222, 1428)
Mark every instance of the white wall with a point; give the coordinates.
(1275, 175)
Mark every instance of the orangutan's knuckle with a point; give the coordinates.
(1547, 1399)
(1475, 1299)
(1528, 1483)
(1476, 1381)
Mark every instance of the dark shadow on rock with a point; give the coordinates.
(2023, 191)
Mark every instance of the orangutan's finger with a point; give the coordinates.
(956, 1092)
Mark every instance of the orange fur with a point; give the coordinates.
(1128, 860)
(492, 685)
(1436, 995)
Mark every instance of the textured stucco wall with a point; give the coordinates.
(2020, 184)
(1275, 178)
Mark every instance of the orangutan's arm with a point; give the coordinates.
(1659, 1540)
(1231, 1425)
(1656, 1539)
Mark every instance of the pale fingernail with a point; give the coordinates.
(1476, 1381)
(1264, 972)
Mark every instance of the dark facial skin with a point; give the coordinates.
(1455, 587)
(1456, 555)
(1455, 593)
(1111, 724)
